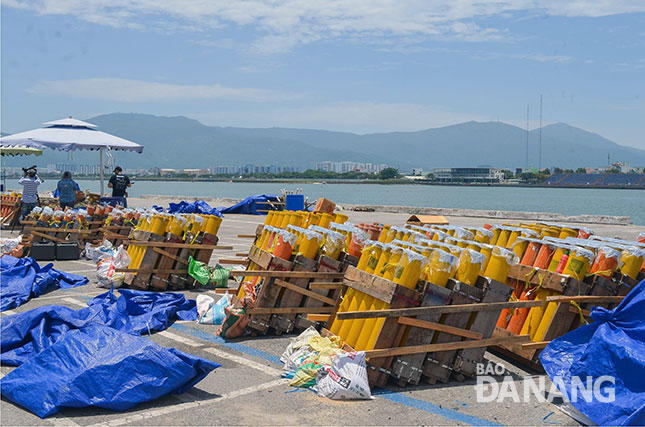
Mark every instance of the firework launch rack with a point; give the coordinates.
(165, 259)
(593, 290)
(294, 294)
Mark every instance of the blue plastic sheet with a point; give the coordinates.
(250, 205)
(613, 345)
(23, 335)
(199, 207)
(23, 278)
(103, 367)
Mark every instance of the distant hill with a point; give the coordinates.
(180, 142)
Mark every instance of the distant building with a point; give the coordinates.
(343, 167)
(417, 171)
(623, 167)
(468, 175)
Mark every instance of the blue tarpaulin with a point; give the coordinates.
(23, 278)
(250, 205)
(199, 207)
(103, 367)
(614, 346)
(24, 335)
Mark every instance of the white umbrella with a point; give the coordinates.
(69, 135)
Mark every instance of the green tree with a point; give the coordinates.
(581, 170)
(388, 173)
(557, 170)
(508, 174)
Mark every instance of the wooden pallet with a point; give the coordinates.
(164, 264)
(448, 328)
(283, 291)
(594, 290)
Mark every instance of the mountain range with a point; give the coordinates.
(181, 142)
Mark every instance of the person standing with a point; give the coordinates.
(30, 183)
(66, 190)
(119, 184)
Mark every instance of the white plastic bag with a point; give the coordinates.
(211, 312)
(346, 379)
(106, 269)
(105, 250)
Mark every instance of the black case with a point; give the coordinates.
(43, 251)
(67, 251)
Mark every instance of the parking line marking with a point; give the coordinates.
(178, 338)
(243, 361)
(74, 301)
(138, 418)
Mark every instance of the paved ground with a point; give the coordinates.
(248, 390)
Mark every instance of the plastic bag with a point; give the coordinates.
(204, 274)
(105, 250)
(211, 312)
(297, 343)
(345, 379)
(106, 269)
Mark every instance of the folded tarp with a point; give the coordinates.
(23, 278)
(24, 335)
(613, 346)
(251, 205)
(103, 367)
(199, 207)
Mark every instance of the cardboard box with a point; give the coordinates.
(428, 219)
(325, 205)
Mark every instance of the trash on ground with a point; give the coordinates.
(311, 360)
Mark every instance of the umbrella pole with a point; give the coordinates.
(101, 172)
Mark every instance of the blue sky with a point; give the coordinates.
(360, 66)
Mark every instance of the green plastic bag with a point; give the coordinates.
(204, 274)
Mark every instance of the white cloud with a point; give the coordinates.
(359, 117)
(282, 25)
(125, 90)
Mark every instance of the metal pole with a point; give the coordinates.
(101, 172)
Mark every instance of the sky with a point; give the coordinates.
(362, 66)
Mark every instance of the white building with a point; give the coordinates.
(468, 175)
(343, 167)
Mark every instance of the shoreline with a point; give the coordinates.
(399, 181)
(414, 210)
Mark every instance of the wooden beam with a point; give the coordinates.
(289, 274)
(325, 285)
(535, 345)
(247, 236)
(176, 245)
(424, 324)
(48, 237)
(585, 313)
(585, 298)
(150, 271)
(318, 317)
(457, 345)
(233, 261)
(171, 256)
(305, 292)
(289, 310)
(441, 309)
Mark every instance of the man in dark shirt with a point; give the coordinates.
(119, 183)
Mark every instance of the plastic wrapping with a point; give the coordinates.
(470, 265)
(463, 234)
(100, 366)
(23, 278)
(631, 261)
(610, 347)
(606, 262)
